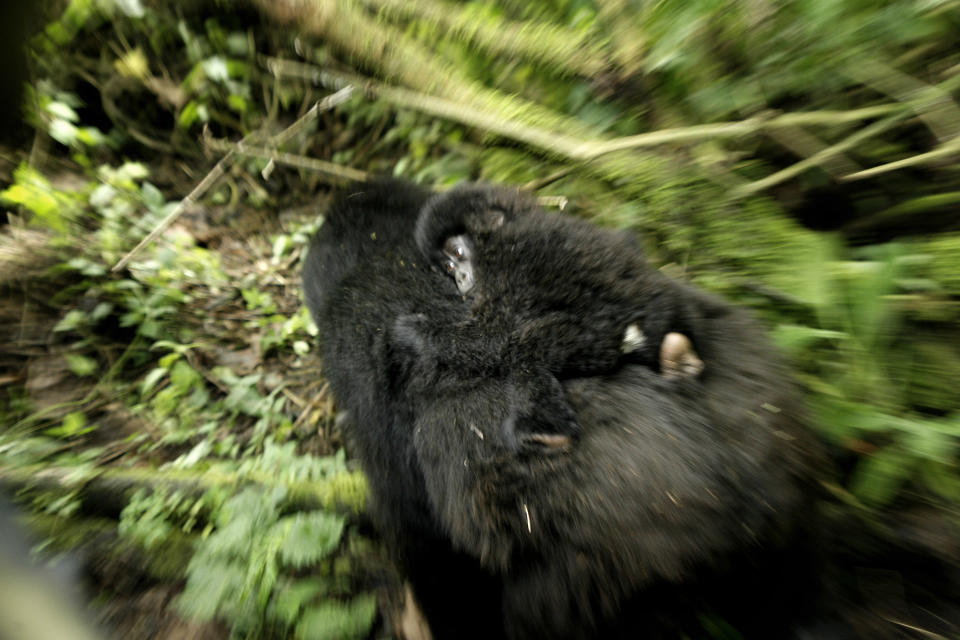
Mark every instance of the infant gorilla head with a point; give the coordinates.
(550, 298)
(579, 299)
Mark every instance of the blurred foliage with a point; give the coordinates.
(244, 574)
(798, 157)
(875, 385)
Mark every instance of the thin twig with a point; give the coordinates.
(560, 202)
(287, 134)
(540, 183)
(920, 205)
(804, 144)
(921, 631)
(198, 191)
(932, 104)
(289, 159)
(223, 164)
(794, 170)
(331, 101)
(943, 151)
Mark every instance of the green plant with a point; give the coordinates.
(858, 363)
(252, 573)
(150, 518)
(52, 208)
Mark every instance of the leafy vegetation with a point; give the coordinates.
(798, 157)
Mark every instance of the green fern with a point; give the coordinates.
(242, 573)
(335, 621)
(308, 537)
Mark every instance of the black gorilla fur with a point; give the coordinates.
(571, 292)
(677, 498)
(571, 289)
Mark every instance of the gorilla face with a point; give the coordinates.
(457, 261)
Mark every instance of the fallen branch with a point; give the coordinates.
(218, 170)
(329, 168)
(565, 145)
(804, 145)
(926, 205)
(108, 490)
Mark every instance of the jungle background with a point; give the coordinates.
(164, 421)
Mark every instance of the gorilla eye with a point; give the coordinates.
(460, 251)
(450, 266)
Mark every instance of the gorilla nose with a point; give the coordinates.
(464, 282)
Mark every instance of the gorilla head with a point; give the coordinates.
(563, 294)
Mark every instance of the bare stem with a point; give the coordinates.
(224, 163)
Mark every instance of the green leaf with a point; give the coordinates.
(944, 479)
(291, 598)
(73, 425)
(282, 245)
(91, 136)
(878, 478)
(167, 361)
(308, 537)
(62, 111)
(152, 197)
(72, 321)
(215, 69)
(33, 191)
(213, 585)
(63, 132)
(87, 268)
(183, 377)
(189, 115)
(301, 347)
(335, 621)
(237, 103)
(81, 365)
(103, 309)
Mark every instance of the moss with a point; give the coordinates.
(98, 538)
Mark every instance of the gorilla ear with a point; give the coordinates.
(487, 220)
(465, 210)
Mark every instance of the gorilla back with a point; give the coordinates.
(678, 498)
(362, 272)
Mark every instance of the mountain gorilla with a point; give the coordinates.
(533, 467)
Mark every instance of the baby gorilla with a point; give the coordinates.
(550, 297)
